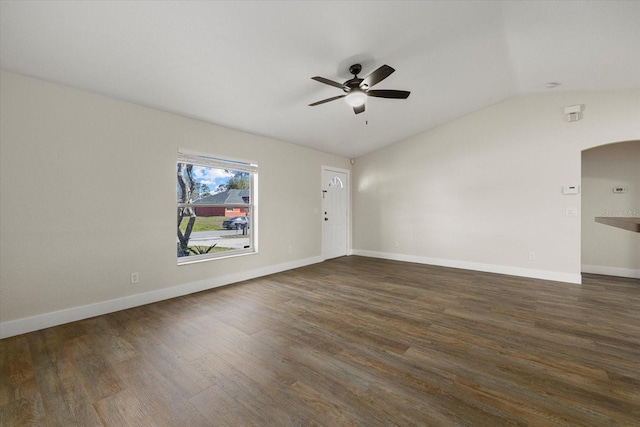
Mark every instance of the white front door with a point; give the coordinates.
(335, 203)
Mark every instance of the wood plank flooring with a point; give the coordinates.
(351, 341)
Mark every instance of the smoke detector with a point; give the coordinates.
(573, 113)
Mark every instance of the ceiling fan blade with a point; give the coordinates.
(387, 93)
(327, 100)
(328, 82)
(359, 109)
(377, 76)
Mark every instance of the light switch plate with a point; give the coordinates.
(570, 189)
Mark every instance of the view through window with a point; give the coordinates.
(215, 207)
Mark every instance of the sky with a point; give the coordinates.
(212, 177)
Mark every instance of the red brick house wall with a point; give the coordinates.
(220, 211)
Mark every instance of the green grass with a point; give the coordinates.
(204, 223)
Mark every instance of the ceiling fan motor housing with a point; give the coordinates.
(352, 84)
(355, 81)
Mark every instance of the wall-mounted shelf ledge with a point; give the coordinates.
(626, 223)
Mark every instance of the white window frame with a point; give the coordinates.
(207, 160)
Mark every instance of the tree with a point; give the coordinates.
(200, 190)
(186, 187)
(239, 181)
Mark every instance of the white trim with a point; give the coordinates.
(611, 271)
(331, 168)
(42, 321)
(476, 266)
(209, 160)
(195, 259)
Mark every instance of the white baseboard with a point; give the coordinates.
(42, 321)
(476, 266)
(611, 271)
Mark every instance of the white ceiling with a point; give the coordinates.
(247, 65)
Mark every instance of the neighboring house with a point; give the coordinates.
(229, 197)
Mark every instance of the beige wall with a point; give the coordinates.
(87, 189)
(484, 191)
(606, 249)
(88, 196)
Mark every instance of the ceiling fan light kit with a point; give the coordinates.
(356, 98)
(358, 90)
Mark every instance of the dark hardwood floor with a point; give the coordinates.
(352, 341)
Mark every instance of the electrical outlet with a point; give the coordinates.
(532, 256)
(571, 211)
(396, 244)
(135, 278)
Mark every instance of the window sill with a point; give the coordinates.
(196, 259)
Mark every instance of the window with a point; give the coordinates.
(216, 207)
(336, 182)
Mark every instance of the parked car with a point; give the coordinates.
(236, 223)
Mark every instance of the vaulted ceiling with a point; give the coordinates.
(247, 65)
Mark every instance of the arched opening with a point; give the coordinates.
(610, 242)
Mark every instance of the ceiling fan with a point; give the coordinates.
(357, 90)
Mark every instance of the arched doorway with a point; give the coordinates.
(611, 189)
